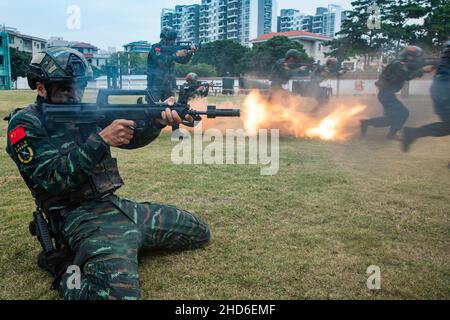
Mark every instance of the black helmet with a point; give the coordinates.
(293, 53)
(168, 33)
(411, 52)
(192, 77)
(59, 65)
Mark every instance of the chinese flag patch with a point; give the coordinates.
(16, 135)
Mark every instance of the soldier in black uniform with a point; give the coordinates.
(407, 67)
(440, 93)
(192, 89)
(161, 61)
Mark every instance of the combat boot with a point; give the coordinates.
(364, 127)
(55, 263)
(409, 136)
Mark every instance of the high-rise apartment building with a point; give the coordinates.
(238, 20)
(326, 21)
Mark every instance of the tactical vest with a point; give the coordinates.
(105, 178)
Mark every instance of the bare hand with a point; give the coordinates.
(194, 48)
(428, 69)
(201, 89)
(181, 53)
(170, 117)
(119, 133)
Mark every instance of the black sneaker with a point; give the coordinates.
(364, 127)
(408, 138)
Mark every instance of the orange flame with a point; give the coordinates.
(287, 113)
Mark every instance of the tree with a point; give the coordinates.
(436, 24)
(263, 56)
(403, 22)
(223, 55)
(19, 63)
(355, 37)
(201, 69)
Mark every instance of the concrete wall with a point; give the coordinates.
(367, 87)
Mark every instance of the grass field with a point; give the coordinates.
(309, 232)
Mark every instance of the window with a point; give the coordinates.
(1, 61)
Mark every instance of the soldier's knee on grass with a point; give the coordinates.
(113, 279)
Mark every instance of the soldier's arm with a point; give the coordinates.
(32, 150)
(402, 70)
(185, 59)
(145, 136)
(161, 59)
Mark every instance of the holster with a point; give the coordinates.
(46, 228)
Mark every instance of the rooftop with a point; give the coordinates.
(82, 45)
(15, 32)
(292, 34)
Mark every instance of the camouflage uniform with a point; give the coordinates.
(70, 172)
(190, 90)
(161, 78)
(280, 75)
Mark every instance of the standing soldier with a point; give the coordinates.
(329, 70)
(161, 78)
(73, 178)
(285, 69)
(407, 67)
(440, 93)
(192, 89)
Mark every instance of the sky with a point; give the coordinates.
(108, 23)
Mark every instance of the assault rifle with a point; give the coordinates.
(182, 45)
(103, 113)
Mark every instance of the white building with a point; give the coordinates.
(239, 20)
(327, 20)
(312, 43)
(57, 42)
(24, 42)
(290, 20)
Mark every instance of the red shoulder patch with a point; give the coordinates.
(17, 134)
(158, 49)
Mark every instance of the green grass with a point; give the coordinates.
(309, 232)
